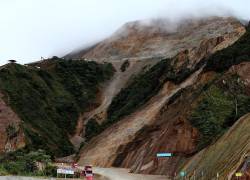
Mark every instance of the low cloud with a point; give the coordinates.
(31, 29)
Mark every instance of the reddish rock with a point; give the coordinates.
(8, 118)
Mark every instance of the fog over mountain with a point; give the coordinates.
(31, 29)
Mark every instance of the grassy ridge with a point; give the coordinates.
(49, 99)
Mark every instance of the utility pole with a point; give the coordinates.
(217, 176)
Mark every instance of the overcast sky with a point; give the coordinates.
(30, 29)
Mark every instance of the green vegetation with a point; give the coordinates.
(124, 66)
(221, 105)
(49, 99)
(143, 87)
(11, 131)
(92, 129)
(3, 171)
(139, 91)
(235, 54)
(34, 163)
(230, 103)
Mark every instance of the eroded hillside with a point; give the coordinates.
(201, 40)
(162, 109)
(194, 118)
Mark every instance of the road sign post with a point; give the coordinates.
(217, 176)
(183, 174)
(159, 155)
(65, 172)
(238, 174)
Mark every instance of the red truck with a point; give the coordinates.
(88, 173)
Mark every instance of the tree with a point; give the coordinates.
(12, 61)
(11, 131)
(55, 58)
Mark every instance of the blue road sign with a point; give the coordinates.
(182, 173)
(164, 154)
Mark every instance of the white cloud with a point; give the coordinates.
(33, 28)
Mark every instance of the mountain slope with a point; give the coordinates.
(226, 156)
(179, 89)
(48, 100)
(195, 37)
(161, 38)
(164, 121)
(190, 42)
(172, 132)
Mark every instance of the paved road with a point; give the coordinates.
(20, 178)
(123, 174)
(34, 178)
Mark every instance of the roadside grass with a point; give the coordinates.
(24, 163)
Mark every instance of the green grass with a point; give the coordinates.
(49, 100)
(220, 106)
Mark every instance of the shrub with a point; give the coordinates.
(23, 162)
(92, 129)
(11, 131)
(124, 66)
(3, 171)
(50, 170)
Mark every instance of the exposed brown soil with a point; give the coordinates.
(102, 151)
(9, 118)
(226, 156)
